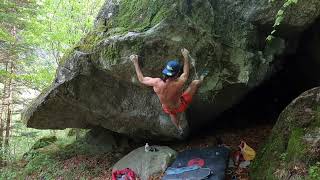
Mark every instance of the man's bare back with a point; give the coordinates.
(170, 90)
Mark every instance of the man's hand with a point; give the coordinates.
(134, 58)
(185, 52)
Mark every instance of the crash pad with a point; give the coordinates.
(212, 164)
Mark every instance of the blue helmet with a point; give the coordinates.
(172, 68)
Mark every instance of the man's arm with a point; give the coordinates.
(184, 76)
(144, 80)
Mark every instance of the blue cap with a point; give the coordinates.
(172, 68)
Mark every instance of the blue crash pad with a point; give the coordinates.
(213, 164)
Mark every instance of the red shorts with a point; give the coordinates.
(185, 100)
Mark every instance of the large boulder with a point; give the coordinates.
(96, 83)
(293, 149)
(147, 164)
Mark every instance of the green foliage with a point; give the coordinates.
(5, 35)
(46, 29)
(280, 16)
(47, 162)
(60, 25)
(40, 78)
(4, 74)
(14, 16)
(314, 171)
(8, 173)
(39, 162)
(283, 156)
(12, 13)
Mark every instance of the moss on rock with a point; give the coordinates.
(45, 141)
(140, 15)
(296, 148)
(294, 145)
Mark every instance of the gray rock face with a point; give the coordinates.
(103, 140)
(96, 83)
(147, 164)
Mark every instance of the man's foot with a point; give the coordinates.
(204, 73)
(192, 61)
(180, 130)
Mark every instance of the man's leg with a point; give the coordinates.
(191, 90)
(195, 84)
(193, 87)
(174, 120)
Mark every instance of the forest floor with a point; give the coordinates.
(73, 162)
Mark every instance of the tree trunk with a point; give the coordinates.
(6, 139)
(5, 113)
(2, 115)
(9, 102)
(5, 108)
(2, 108)
(9, 90)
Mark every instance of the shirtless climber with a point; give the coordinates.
(170, 88)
